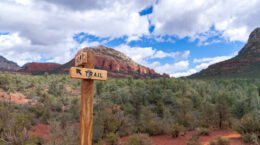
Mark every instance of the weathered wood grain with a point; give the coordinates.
(86, 105)
(81, 58)
(86, 59)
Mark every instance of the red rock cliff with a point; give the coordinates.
(40, 67)
(116, 63)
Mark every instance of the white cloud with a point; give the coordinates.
(132, 38)
(213, 59)
(142, 55)
(174, 55)
(183, 74)
(172, 68)
(203, 64)
(46, 28)
(162, 39)
(235, 19)
(21, 50)
(138, 54)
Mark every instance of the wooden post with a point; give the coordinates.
(86, 59)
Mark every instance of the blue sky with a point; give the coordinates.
(177, 37)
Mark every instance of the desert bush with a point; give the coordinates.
(223, 110)
(100, 142)
(250, 138)
(139, 139)
(63, 135)
(249, 123)
(153, 128)
(184, 116)
(203, 131)
(98, 129)
(175, 130)
(14, 128)
(112, 138)
(126, 127)
(220, 141)
(150, 123)
(207, 114)
(194, 139)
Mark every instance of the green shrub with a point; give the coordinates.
(203, 131)
(126, 128)
(154, 128)
(249, 123)
(194, 139)
(112, 139)
(98, 129)
(250, 138)
(220, 141)
(175, 130)
(139, 139)
(100, 142)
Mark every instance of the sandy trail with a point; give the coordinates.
(235, 138)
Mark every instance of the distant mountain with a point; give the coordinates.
(39, 68)
(245, 64)
(6, 65)
(116, 63)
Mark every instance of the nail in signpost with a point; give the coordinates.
(85, 62)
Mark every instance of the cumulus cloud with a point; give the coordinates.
(212, 59)
(172, 68)
(21, 50)
(47, 27)
(235, 19)
(43, 30)
(175, 55)
(183, 74)
(142, 55)
(203, 63)
(83, 5)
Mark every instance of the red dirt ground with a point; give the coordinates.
(18, 98)
(234, 138)
(73, 91)
(41, 130)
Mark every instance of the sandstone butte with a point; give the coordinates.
(39, 67)
(116, 63)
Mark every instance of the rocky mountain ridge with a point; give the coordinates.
(245, 64)
(7, 65)
(116, 63)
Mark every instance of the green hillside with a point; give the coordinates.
(126, 106)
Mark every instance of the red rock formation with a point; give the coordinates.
(40, 67)
(116, 63)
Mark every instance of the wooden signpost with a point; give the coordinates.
(85, 62)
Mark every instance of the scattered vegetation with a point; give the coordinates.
(127, 106)
(176, 129)
(203, 131)
(139, 139)
(194, 139)
(220, 141)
